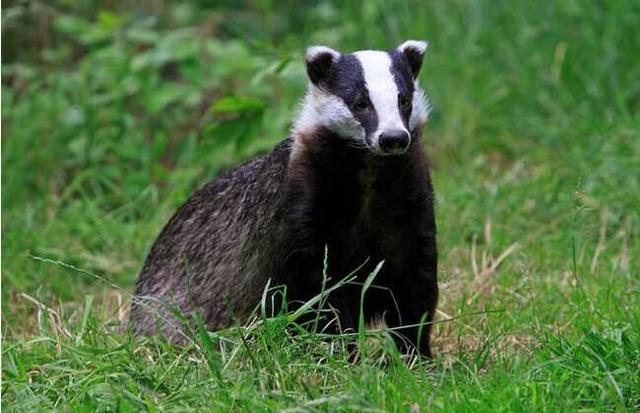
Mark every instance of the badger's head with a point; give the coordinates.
(370, 98)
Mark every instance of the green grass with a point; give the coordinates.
(112, 116)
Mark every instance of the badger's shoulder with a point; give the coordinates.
(260, 168)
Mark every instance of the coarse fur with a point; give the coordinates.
(353, 178)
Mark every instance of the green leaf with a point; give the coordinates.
(82, 30)
(163, 95)
(231, 104)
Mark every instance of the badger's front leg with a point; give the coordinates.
(417, 298)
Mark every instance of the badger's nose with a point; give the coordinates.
(394, 141)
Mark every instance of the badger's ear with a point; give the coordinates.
(413, 51)
(320, 63)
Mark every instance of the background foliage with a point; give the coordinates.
(113, 112)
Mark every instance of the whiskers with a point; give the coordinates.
(357, 144)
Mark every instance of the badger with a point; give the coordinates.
(350, 185)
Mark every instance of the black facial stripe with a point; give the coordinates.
(347, 82)
(404, 81)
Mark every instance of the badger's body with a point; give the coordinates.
(350, 178)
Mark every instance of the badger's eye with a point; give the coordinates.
(405, 102)
(362, 103)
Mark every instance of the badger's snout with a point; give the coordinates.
(394, 141)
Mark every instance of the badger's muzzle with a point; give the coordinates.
(394, 141)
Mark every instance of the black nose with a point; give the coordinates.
(394, 141)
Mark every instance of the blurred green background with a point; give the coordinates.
(113, 112)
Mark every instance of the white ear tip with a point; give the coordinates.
(315, 51)
(419, 45)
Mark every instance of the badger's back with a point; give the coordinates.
(211, 256)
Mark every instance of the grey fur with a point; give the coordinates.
(224, 229)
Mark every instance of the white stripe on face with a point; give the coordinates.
(322, 108)
(383, 91)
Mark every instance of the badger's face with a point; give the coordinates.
(369, 97)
